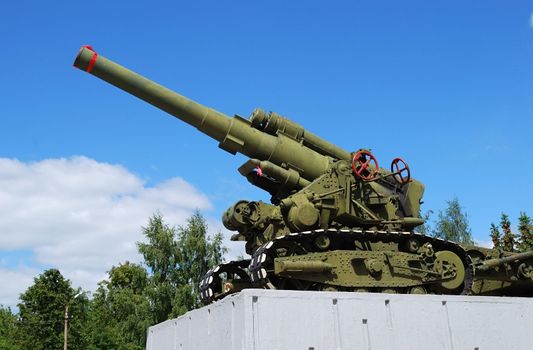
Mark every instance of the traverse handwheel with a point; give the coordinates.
(365, 165)
(400, 170)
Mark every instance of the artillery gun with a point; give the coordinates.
(336, 221)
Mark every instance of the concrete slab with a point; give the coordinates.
(268, 320)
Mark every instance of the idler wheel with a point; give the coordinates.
(450, 265)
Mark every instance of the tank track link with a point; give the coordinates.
(259, 275)
(211, 288)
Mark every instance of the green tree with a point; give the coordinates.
(198, 252)
(120, 311)
(525, 228)
(452, 224)
(160, 254)
(9, 338)
(178, 259)
(496, 236)
(42, 309)
(508, 237)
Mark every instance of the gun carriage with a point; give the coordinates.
(336, 220)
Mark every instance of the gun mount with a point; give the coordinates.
(336, 221)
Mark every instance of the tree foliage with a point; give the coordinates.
(42, 312)
(198, 252)
(495, 236)
(120, 311)
(126, 303)
(452, 224)
(509, 241)
(160, 253)
(177, 259)
(525, 229)
(508, 237)
(9, 337)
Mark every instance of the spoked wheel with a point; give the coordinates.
(365, 165)
(456, 276)
(400, 171)
(262, 266)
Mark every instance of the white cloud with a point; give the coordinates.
(14, 283)
(80, 216)
(531, 20)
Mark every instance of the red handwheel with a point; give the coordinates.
(361, 165)
(400, 170)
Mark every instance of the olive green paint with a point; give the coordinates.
(335, 221)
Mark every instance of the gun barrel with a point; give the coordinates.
(175, 104)
(488, 264)
(234, 134)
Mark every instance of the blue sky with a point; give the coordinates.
(446, 85)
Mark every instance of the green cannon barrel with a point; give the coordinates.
(234, 134)
(488, 264)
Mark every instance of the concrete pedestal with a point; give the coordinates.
(268, 320)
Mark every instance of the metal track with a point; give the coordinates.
(210, 285)
(259, 274)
